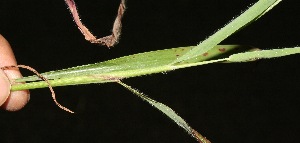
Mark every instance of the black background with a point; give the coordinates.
(243, 102)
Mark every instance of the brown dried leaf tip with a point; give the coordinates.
(43, 78)
(108, 41)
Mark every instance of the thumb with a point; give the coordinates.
(16, 99)
(4, 87)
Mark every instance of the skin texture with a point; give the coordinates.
(11, 101)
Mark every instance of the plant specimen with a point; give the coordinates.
(117, 70)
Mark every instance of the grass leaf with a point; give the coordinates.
(250, 15)
(126, 67)
(263, 54)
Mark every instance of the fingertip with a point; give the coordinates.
(17, 100)
(4, 87)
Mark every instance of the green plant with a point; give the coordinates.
(170, 59)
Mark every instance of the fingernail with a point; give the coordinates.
(4, 87)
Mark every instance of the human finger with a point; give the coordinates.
(16, 99)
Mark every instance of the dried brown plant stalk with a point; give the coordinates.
(108, 41)
(199, 137)
(43, 78)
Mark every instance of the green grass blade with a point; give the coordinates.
(125, 67)
(88, 74)
(168, 112)
(250, 15)
(263, 54)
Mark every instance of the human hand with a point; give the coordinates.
(16, 100)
